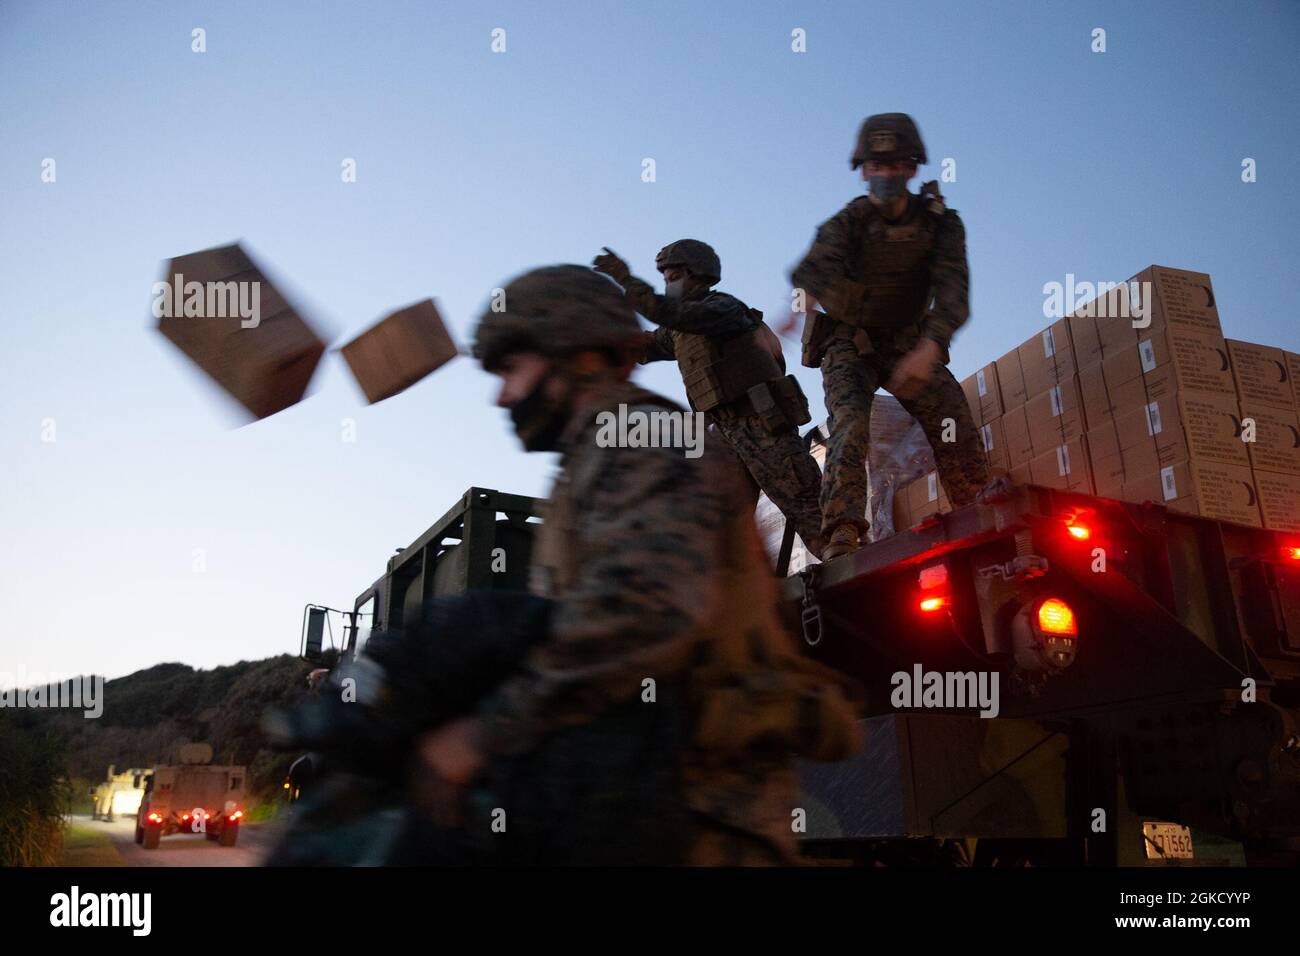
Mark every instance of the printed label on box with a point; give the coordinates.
(987, 432)
(1168, 484)
(1153, 419)
(1063, 459)
(932, 486)
(1054, 395)
(1148, 353)
(979, 383)
(1049, 344)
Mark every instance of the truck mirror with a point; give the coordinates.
(313, 646)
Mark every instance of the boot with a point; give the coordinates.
(843, 540)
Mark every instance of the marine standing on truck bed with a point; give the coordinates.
(890, 270)
(665, 701)
(734, 373)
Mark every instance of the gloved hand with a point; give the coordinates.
(611, 265)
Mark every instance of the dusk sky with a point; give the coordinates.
(473, 166)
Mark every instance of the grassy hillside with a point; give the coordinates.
(49, 755)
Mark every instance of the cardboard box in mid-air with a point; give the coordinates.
(218, 307)
(399, 350)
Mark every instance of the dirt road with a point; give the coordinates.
(181, 849)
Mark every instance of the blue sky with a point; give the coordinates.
(473, 166)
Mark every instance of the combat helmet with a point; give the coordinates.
(887, 138)
(557, 310)
(694, 255)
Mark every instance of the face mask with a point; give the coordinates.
(675, 289)
(539, 419)
(886, 188)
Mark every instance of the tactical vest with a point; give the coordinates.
(750, 687)
(895, 265)
(716, 374)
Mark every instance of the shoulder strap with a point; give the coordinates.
(935, 206)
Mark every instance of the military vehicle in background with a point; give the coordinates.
(483, 543)
(193, 796)
(118, 794)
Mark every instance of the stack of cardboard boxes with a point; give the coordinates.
(1265, 378)
(1138, 396)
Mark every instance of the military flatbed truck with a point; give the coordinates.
(1138, 672)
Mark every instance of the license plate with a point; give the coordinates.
(1167, 841)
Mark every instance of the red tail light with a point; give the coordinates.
(1057, 617)
(236, 815)
(155, 818)
(1080, 532)
(931, 604)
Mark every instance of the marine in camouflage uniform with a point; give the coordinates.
(734, 373)
(890, 284)
(660, 590)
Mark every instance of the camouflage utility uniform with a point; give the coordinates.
(886, 285)
(734, 373)
(663, 607)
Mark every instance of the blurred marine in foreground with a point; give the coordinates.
(644, 704)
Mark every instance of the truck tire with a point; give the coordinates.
(151, 837)
(139, 833)
(229, 834)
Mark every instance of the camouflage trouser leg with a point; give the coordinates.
(781, 466)
(943, 413)
(850, 383)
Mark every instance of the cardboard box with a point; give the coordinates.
(994, 441)
(1084, 339)
(399, 350)
(1114, 318)
(1191, 425)
(1293, 372)
(1054, 417)
(1011, 381)
(1065, 466)
(983, 395)
(1108, 473)
(1261, 375)
(1279, 500)
(1015, 430)
(1169, 360)
(1183, 300)
(1107, 302)
(265, 361)
(1276, 434)
(1094, 396)
(1209, 489)
(1166, 299)
(1047, 358)
(926, 497)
